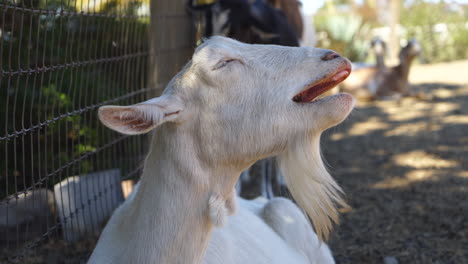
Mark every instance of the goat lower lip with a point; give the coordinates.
(319, 88)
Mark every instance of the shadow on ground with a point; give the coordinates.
(404, 168)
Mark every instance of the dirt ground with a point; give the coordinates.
(404, 168)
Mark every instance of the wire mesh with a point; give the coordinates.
(60, 169)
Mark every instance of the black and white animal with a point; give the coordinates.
(255, 22)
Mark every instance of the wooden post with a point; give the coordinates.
(172, 41)
(394, 44)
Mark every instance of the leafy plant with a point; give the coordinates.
(440, 28)
(346, 34)
(69, 62)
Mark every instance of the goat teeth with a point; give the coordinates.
(340, 75)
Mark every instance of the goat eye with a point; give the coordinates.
(223, 63)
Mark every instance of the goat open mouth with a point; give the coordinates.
(315, 89)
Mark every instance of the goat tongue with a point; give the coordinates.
(317, 89)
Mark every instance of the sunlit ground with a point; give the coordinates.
(404, 167)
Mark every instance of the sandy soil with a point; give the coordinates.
(404, 168)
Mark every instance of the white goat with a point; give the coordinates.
(211, 122)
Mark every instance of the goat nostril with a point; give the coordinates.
(330, 56)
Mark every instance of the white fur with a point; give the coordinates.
(229, 107)
(217, 209)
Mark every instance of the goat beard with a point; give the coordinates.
(310, 184)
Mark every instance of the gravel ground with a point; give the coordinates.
(404, 168)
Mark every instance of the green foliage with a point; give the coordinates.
(72, 43)
(459, 33)
(345, 34)
(441, 29)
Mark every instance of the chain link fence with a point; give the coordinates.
(60, 169)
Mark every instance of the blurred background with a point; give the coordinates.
(349, 26)
(401, 157)
(402, 162)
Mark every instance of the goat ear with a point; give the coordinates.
(143, 117)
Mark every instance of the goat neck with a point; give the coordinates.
(404, 67)
(170, 216)
(407, 55)
(168, 221)
(380, 61)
